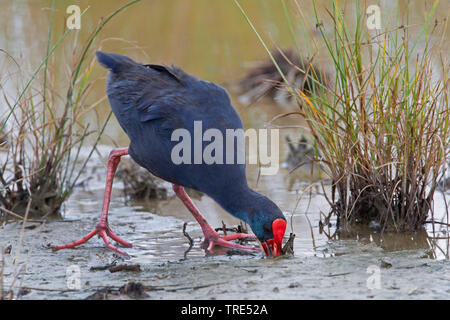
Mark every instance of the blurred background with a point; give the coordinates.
(209, 39)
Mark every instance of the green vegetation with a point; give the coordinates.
(381, 129)
(44, 130)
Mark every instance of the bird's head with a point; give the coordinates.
(269, 225)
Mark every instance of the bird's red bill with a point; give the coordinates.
(273, 246)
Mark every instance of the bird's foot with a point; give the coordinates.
(213, 239)
(103, 231)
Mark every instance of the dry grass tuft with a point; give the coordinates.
(44, 128)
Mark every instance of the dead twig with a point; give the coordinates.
(438, 222)
(125, 267)
(224, 229)
(101, 268)
(191, 242)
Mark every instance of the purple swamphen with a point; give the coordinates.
(150, 102)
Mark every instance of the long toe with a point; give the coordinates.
(228, 244)
(112, 247)
(116, 238)
(103, 231)
(76, 243)
(237, 236)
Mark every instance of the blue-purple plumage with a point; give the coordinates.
(151, 101)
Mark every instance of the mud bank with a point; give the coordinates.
(362, 266)
(340, 269)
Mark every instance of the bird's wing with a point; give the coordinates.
(177, 99)
(165, 111)
(172, 72)
(162, 94)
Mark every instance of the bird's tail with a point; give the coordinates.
(113, 61)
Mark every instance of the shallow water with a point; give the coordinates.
(409, 265)
(333, 266)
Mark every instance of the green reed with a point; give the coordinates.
(45, 137)
(381, 126)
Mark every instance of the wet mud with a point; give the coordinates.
(348, 266)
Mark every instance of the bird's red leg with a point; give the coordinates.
(102, 229)
(211, 236)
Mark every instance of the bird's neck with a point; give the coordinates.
(240, 201)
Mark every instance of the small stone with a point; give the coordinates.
(7, 250)
(385, 263)
(23, 292)
(415, 291)
(427, 254)
(135, 290)
(276, 290)
(295, 285)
